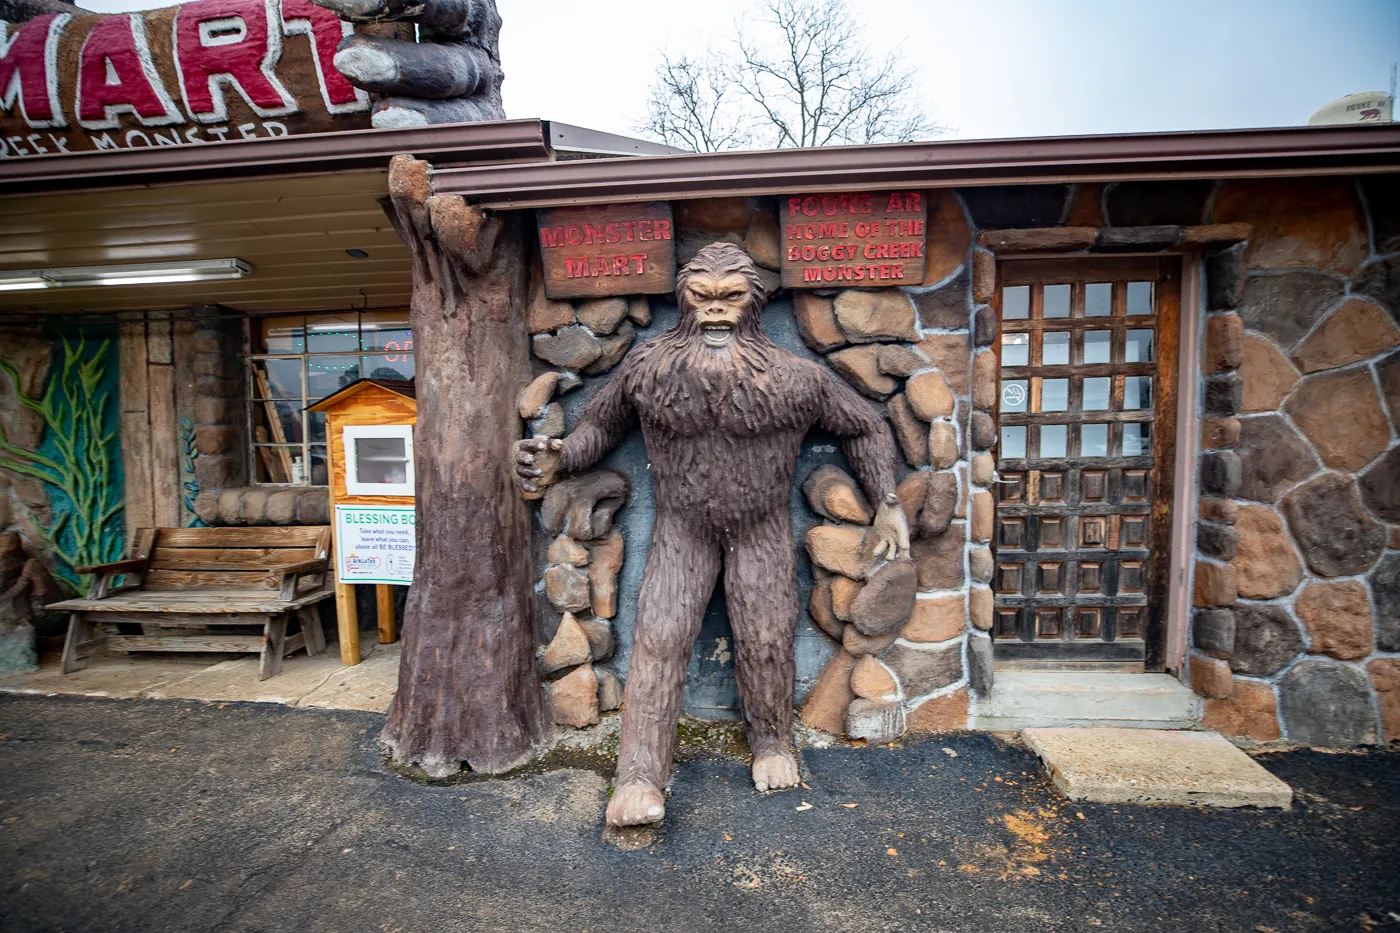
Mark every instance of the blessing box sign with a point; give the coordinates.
(374, 544)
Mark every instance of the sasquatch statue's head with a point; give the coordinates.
(720, 293)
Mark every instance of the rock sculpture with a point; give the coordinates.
(723, 411)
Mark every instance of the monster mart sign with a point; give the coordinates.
(206, 71)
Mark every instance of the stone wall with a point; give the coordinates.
(909, 350)
(1297, 577)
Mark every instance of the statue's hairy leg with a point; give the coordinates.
(760, 584)
(679, 578)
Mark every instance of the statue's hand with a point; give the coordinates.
(891, 530)
(537, 465)
(453, 75)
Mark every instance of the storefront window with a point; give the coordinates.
(299, 359)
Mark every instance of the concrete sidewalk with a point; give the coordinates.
(136, 815)
(320, 682)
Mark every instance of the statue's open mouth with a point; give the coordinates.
(716, 335)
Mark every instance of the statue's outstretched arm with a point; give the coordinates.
(606, 421)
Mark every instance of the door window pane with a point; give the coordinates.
(276, 422)
(320, 472)
(1137, 439)
(1098, 346)
(283, 334)
(1053, 440)
(1056, 301)
(277, 379)
(1093, 440)
(1015, 349)
(1098, 299)
(1139, 297)
(332, 333)
(1137, 392)
(1054, 395)
(1096, 392)
(1139, 347)
(1013, 441)
(1015, 302)
(1013, 394)
(316, 426)
(1054, 350)
(387, 331)
(277, 464)
(379, 367)
(327, 374)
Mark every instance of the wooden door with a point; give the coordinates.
(1086, 420)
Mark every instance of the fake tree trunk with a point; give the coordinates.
(468, 688)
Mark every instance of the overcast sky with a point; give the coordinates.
(987, 67)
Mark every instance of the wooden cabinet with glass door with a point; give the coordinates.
(1086, 419)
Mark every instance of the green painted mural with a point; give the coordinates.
(79, 458)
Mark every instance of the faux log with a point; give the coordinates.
(468, 689)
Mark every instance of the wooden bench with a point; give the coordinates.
(190, 582)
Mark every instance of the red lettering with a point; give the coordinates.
(644, 229)
(600, 266)
(593, 233)
(663, 229)
(911, 202)
(640, 259)
(824, 253)
(229, 42)
(811, 275)
(896, 203)
(870, 251)
(619, 265)
(574, 235)
(116, 75)
(899, 270)
(28, 69)
(303, 18)
(575, 268)
(809, 253)
(550, 237)
(614, 234)
(828, 274)
(810, 206)
(794, 253)
(845, 273)
(827, 230)
(794, 206)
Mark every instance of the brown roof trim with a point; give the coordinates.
(1216, 154)
(403, 387)
(317, 152)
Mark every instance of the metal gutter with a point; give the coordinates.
(495, 141)
(1215, 154)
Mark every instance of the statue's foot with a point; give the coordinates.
(775, 770)
(635, 803)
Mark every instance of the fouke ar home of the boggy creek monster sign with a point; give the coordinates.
(207, 71)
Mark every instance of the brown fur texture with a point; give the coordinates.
(723, 428)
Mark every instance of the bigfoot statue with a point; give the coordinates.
(723, 411)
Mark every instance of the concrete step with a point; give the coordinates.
(1036, 699)
(1155, 767)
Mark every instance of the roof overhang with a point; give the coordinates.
(1218, 154)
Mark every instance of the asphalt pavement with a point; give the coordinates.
(166, 815)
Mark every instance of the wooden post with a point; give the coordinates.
(347, 623)
(468, 690)
(384, 596)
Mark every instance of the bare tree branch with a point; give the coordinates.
(799, 73)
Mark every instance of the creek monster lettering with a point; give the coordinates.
(206, 71)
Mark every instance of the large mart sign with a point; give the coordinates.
(206, 71)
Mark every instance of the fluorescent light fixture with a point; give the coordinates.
(146, 273)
